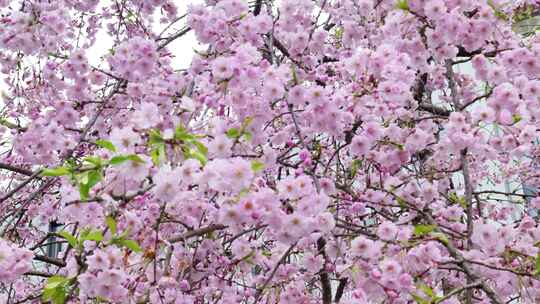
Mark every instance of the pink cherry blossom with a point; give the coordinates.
(233, 151)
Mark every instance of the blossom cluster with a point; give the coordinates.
(335, 151)
(14, 261)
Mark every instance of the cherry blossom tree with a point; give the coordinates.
(314, 151)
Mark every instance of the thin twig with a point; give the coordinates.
(197, 232)
(16, 169)
(49, 260)
(20, 186)
(458, 291)
(173, 38)
(272, 273)
(38, 274)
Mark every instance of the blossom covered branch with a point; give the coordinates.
(327, 151)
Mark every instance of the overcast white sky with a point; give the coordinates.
(181, 48)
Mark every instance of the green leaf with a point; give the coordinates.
(339, 33)
(135, 158)
(84, 191)
(202, 148)
(106, 145)
(111, 223)
(427, 290)
(537, 272)
(55, 281)
(155, 137)
(400, 147)
(356, 164)
(497, 12)
(233, 133)
(200, 157)
(420, 230)
(402, 5)
(248, 258)
(55, 290)
(401, 202)
(294, 74)
(155, 156)
(131, 244)
(440, 236)
(179, 131)
(124, 234)
(8, 124)
(69, 238)
(183, 135)
(87, 180)
(257, 166)
(158, 154)
(48, 294)
(58, 171)
(418, 299)
(55, 295)
(247, 122)
(524, 14)
(118, 159)
(94, 177)
(95, 235)
(196, 155)
(83, 177)
(94, 160)
(458, 200)
(242, 193)
(247, 135)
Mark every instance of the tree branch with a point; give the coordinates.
(463, 107)
(462, 52)
(257, 8)
(325, 279)
(434, 109)
(38, 274)
(458, 291)
(16, 169)
(463, 264)
(49, 260)
(340, 289)
(173, 38)
(272, 273)
(197, 232)
(20, 186)
(418, 94)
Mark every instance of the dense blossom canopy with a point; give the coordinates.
(314, 151)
